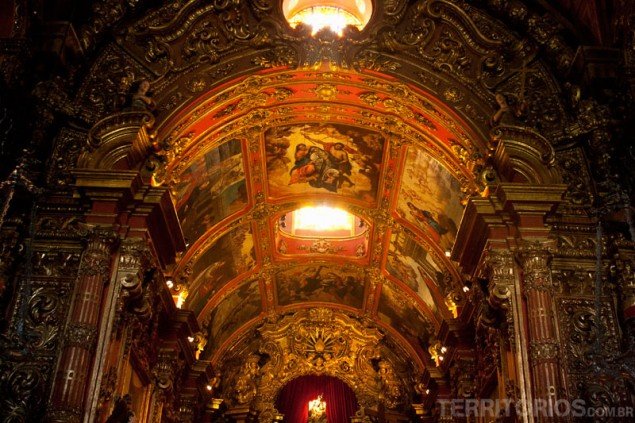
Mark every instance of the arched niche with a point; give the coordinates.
(293, 399)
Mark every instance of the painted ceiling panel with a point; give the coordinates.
(211, 188)
(410, 263)
(322, 282)
(232, 254)
(430, 198)
(237, 308)
(324, 159)
(397, 310)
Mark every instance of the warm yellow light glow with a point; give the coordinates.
(180, 298)
(323, 219)
(317, 407)
(319, 17)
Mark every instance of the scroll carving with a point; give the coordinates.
(502, 276)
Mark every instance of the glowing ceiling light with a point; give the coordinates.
(323, 219)
(325, 17)
(333, 14)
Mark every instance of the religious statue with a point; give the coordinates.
(122, 412)
(317, 410)
(245, 388)
(389, 383)
(141, 99)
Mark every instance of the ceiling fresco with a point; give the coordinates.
(430, 198)
(212, 188)
(228, 257)
(323, 159)
(397, 310)
(234, 310)
(396, 124)
(322, 282)
(254, 151)
(410, 263)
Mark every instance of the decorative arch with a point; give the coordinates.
(437, 83)
(324, 342)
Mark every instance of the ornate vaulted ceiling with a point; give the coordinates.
(230, 161)
(411, 99)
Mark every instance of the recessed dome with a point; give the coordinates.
(335, 15)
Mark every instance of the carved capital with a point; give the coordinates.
(535, 260)
(96, 258)
(165, 370)
(187, 408)
(501, 270)
(134, 255)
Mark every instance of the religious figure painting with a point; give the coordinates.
(232, 254)
(397, 310)
(321, 282)
(324, 158)
(212, 188)
(430, 198)
(237, 308)
(410, 263)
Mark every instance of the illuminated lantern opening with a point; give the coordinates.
(335, 15)
(322, 222)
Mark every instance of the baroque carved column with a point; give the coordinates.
(504, 293)
(165, 374)
(124, 296)
(69, 386)
(538, 290)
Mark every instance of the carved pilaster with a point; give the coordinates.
(69, 387)
(187, 408)
(538, 290)
(535, 261)
(504, 293)
(165, 373)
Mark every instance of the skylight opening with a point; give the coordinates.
(323, 219)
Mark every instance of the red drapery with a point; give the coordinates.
(293, 399)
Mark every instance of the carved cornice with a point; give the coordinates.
(122, 136)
